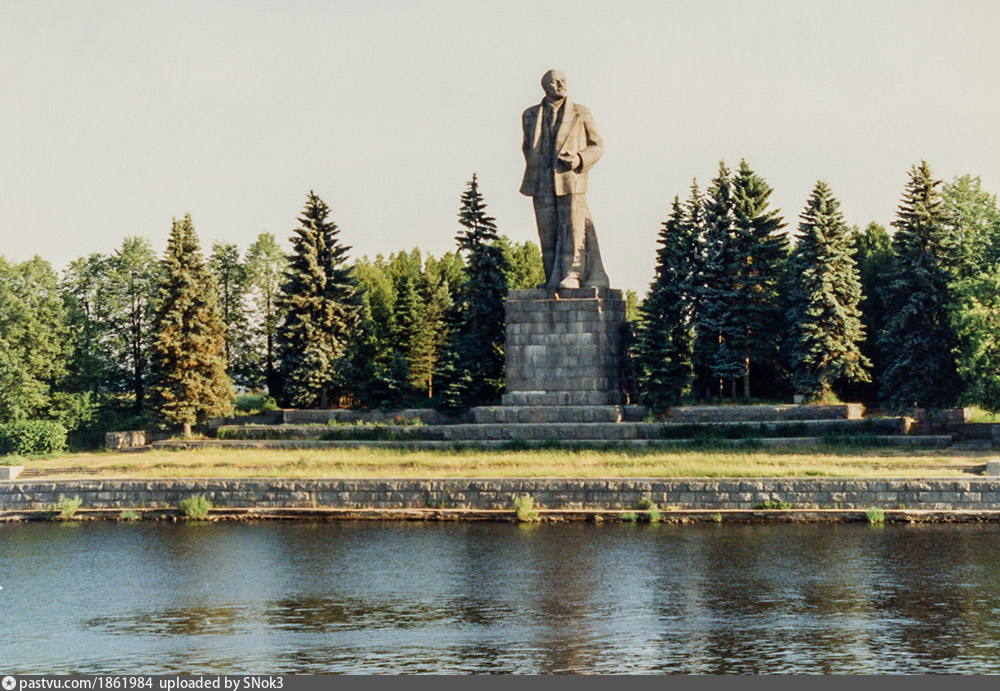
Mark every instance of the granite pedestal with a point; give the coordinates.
(564, 347)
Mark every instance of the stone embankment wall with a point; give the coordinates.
(933, 494)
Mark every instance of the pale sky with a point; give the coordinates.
(118, 115)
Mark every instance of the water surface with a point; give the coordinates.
(480, 597)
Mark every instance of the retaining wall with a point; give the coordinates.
(692, 493)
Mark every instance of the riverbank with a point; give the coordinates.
(633, 499)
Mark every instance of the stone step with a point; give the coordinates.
(755, 413)
(544, 431)
(938, 440)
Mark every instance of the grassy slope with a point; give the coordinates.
(830, 461)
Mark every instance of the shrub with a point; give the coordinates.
(66, 508)
(875, 516)
(629, 517)
(524, 508)
(717, 517)
(653, 516)
(32, 437)
(646, 504)
(196, 506)
(773, 504)
(129, 516)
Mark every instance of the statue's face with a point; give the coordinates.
(554, 83)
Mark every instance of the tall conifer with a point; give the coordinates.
(761, 252)
(473, 372)
(919, 341)
(825, 291)
(720, 336)
(665, 337)
(321, 306)
(188, 358)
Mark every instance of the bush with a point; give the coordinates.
(195, 506)
(524, 508)
(773, 504)
(875, 516)
(32, 437)
(629, 517)
(653, 516)
(66, 508)
(254, 403)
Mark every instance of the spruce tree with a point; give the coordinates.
(474, 369)
(919, 341)
(320, 301)
(189, 380)
(875, 260)
(826, 329)
(665, 335)
(761, 252)
(231, 278)
(720, 336)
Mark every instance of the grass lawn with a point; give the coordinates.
(829, 461)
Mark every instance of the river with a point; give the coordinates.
(326, 597)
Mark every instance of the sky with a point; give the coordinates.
(117, 116)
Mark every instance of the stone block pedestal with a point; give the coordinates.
(564, 347)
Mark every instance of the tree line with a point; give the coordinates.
(736, 310)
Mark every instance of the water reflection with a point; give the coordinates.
(369, 597)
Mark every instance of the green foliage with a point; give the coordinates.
(129, 516)
(773, 504)
(645, 504)
(196, 506)
(35, 344)
(716, 518)
(664, 340)
(628, 517)
(875, 259)
(111, 305)
(32, 437)
(972, 216)
(320, 301)
(652, 516)
(524, 508)
(977, 324)
(67, 508)
(471, 370)
(826, 327)
(190, 382)
(761, 253)
(264, 265)
(875, 516)
(524, 263)
(919, 341)
(254, 403)
(719, 346)
(231, 279)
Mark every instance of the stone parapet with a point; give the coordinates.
(941, 494)
(762, 413)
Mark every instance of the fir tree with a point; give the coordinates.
(231, 278)
(319, 297)
(475, 369)
(720, 336)
(665, 337)
(919, 341)
(825, 292)
(412, 337)
(190, 382)
(761, 252)
(875, 260)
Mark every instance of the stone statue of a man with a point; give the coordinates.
(560, 145)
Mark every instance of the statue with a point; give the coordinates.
(560, 145)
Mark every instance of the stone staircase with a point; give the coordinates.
(513, 426)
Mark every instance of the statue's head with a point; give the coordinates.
(554, 84)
